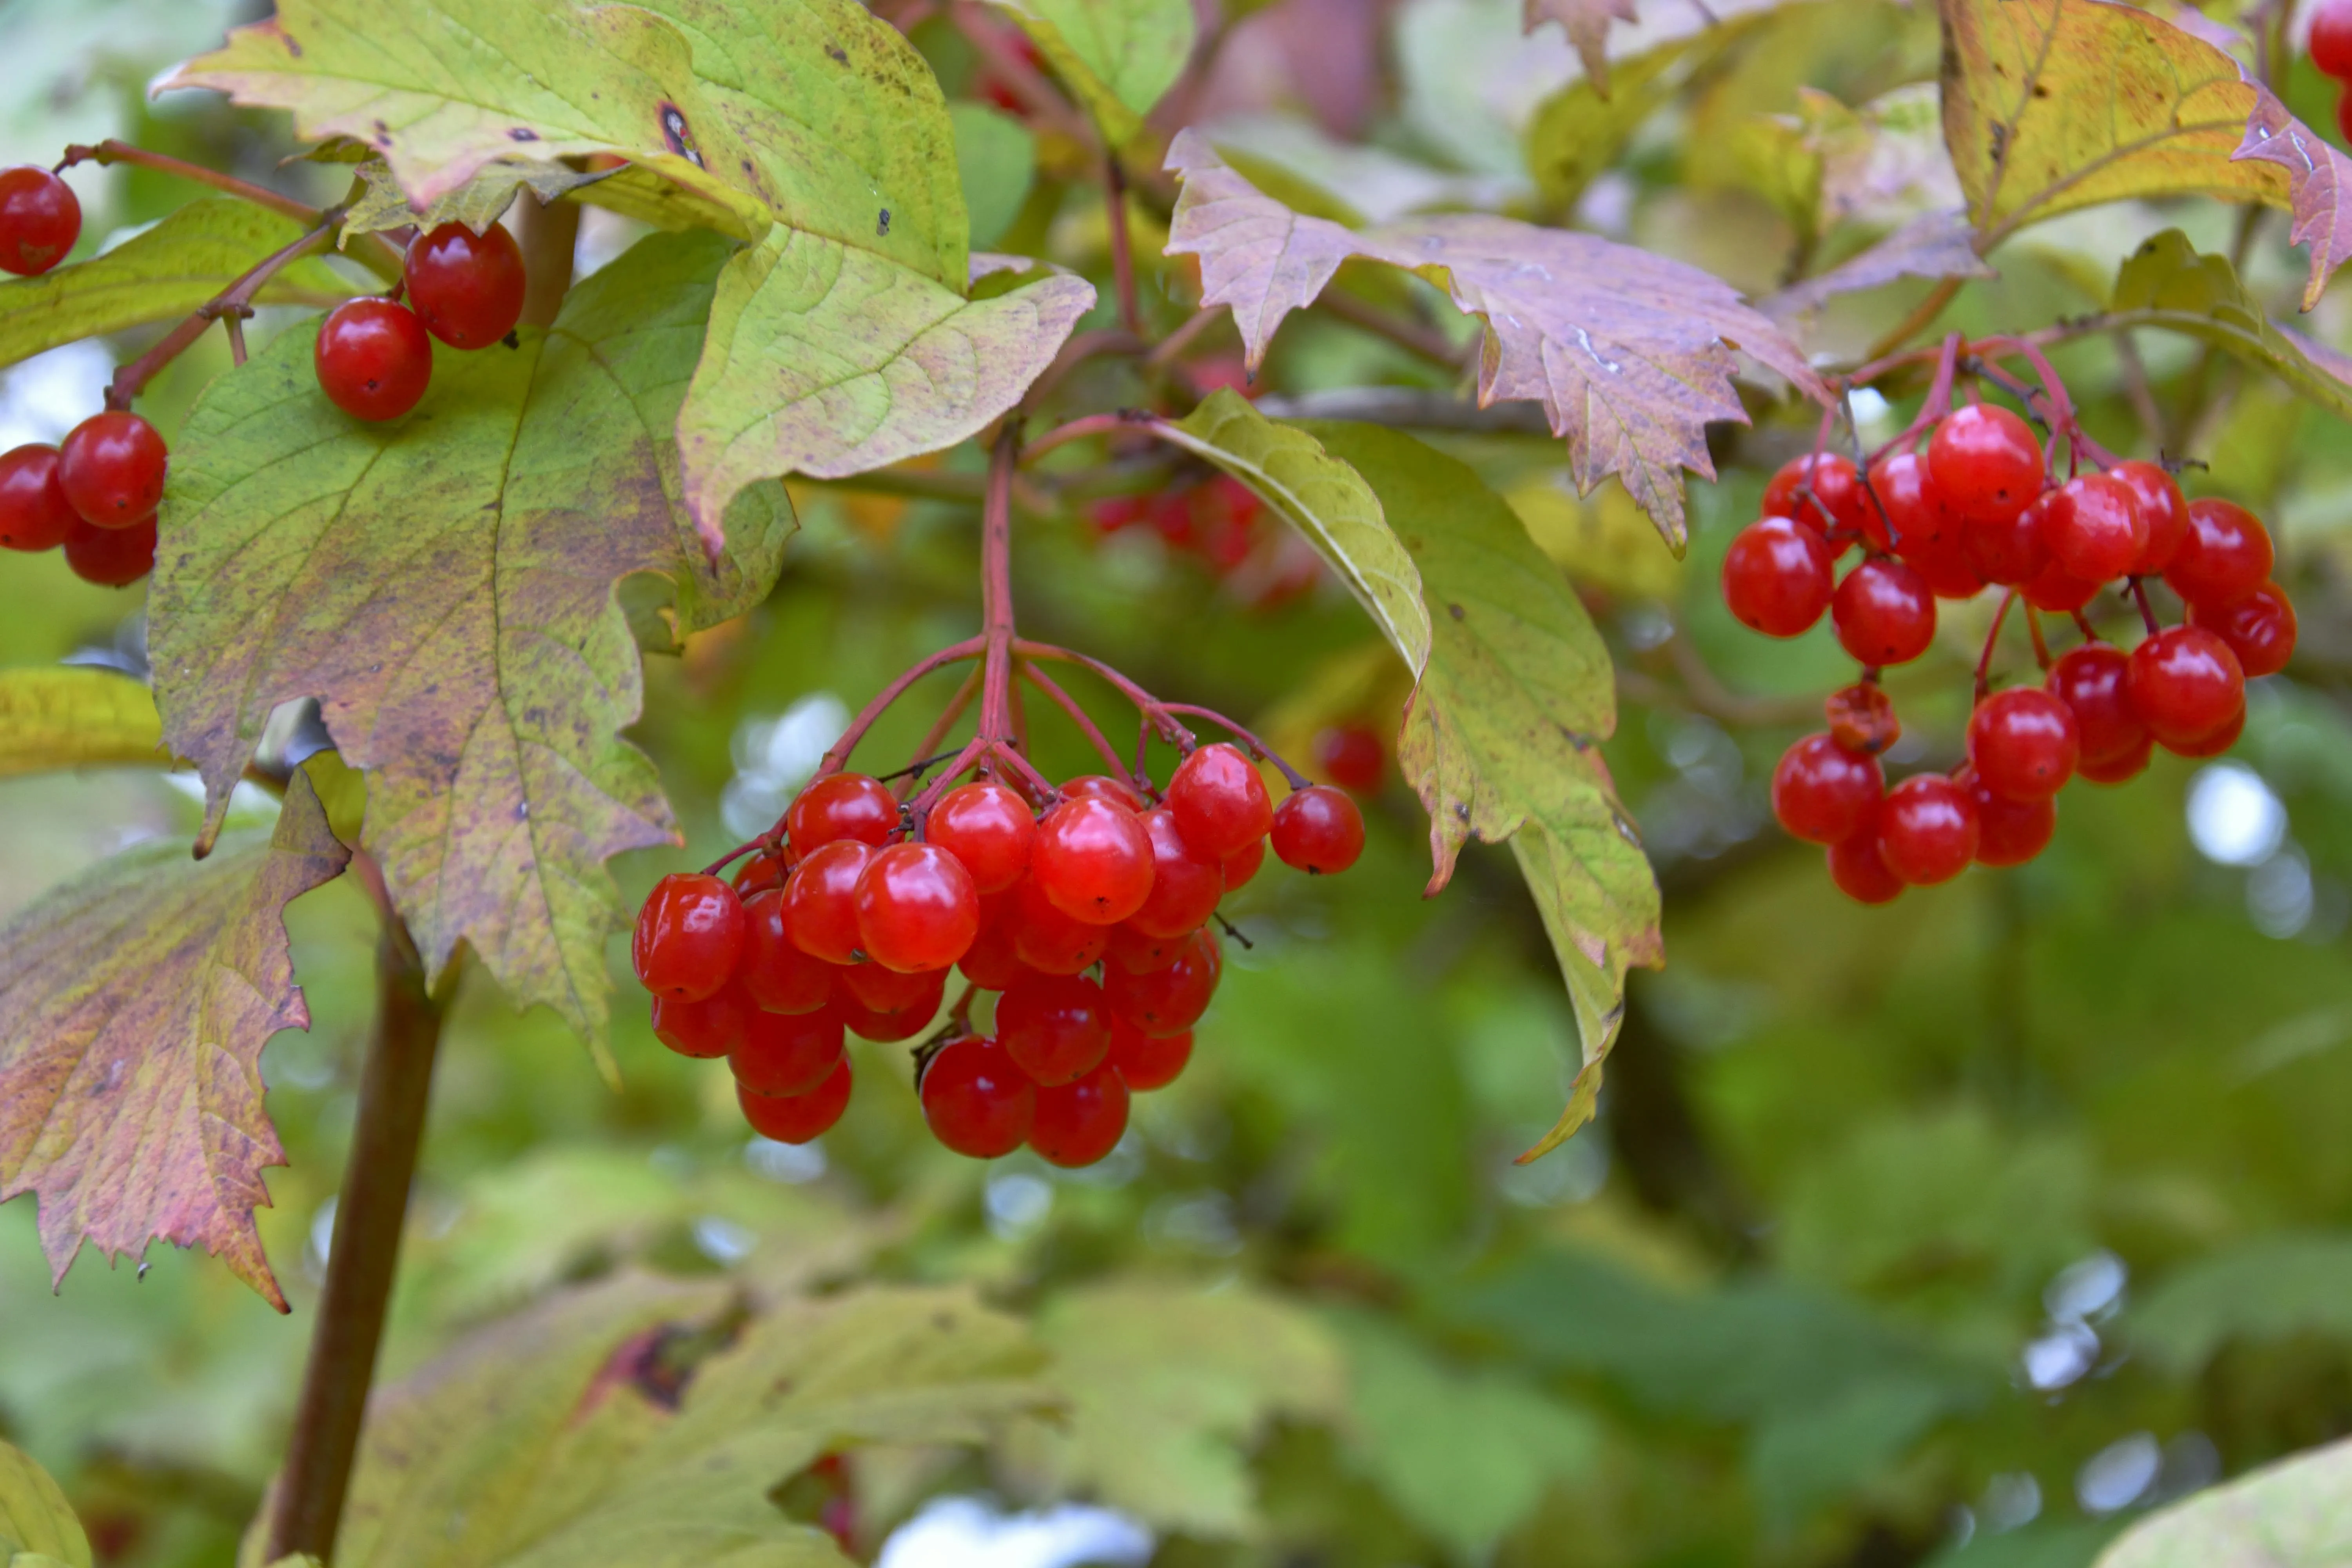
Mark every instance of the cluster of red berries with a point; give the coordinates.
(1222, 522)
(373, 355)
(849, 924)
(2331, 51)
(1977, 508)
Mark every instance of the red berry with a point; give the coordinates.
(916, 908)
(1100, 786)
(1049, 940)
(1055, 1028)
(1317, 830)
(689, 935)
(110, 469)
(1220, 801)
(1860, 871)
(2009, 832)
(2090, 681)
(2095, 528)
(40, 218)
(112, 557)
(2022, 744)
(1078, 1123)
(2115, 769)
(839, 807)
(1862, 718)
(33, 512)
(372, 358)
(1185, 885)
(989, 829)
(1884, 612)
(1353, 757)
(1913, 510)
(775, 974)
(1986, 462)
(759, 873)
(1240, 869)
(2216, 741)
(1928, 829)
(2184, 683)
(2162, 507)
(2331, 39)
(991, 962)
(2343, 112)
(1139, 951)
(782, 1054)
(2224, 556)
(821, 901)
(976, 1100)
(2059, 590)
(1146, 1062)
(705, 1030)
(884, 1028)
(1775, 577)
(1822, 793)
(1162, 1001)
(797, 1118)
(1823, 492)
(468, 287)
(2012, 551)
(2259, 629)
(1093, 861)
(880, 990)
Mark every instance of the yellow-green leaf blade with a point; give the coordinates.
(477, 203)
(1118, 56)
(2296, 1514)
(2167, 283)
(35, 1518)
(75, 718)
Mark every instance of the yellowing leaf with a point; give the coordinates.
(1327, 502)
(134, 1002)
(1585, 23)
(159, 275)
(1502, 742)
(75, 718)
(1630, 353)
(444, 587)
(477, 203)
(825, 360)
(35, 1518)
(2316, 177)
(2291, 1514)
(2167, 283)
(1118, 56)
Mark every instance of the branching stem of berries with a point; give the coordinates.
(231, 305)
(370, 251)
(1992, 637)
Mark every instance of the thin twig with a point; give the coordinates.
(131, 379)
(1424, 342)
(1122, 246)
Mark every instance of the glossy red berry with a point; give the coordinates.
(1318, 830)
(1093, 861)
(111, 467)
(1047, 939)
(989, 829)
(1775, 577)
(2090, 681)
(1055, 1028)
(1860, 871)
(1146, 1062)
(2009, 832)
(839, 807)
(993, 963)
(704, 1029)
(2259, 629)
(761, 872)
(466, 287)
(786, 1053)
(798, 1118)
(2059, 590)
(373, 358)
(2162, 507)
(1240, 869)
(112, 557)
(2115, 769)
(1185, 884)
(1822, 793)
(1883, 612)
(2331, 39)
(773, 971)
(2216, 742)
(1078, 1123)
(2022, 744)
(2184, 683)
(689, 935)
(976, 1100)
(1220, 801)
(40, 218)
(33, 512)
(880, 990)
(916, 908)
(1162, 1001)
(1139, 951)
(2224, 556)
(821, 900)
(1101, 787)
(1351, 756)
(1821, 490)
(1986, 462)
(1914, 511)
(1928, 829)
(2095, 527)
(886, 1028)
(2014, 551)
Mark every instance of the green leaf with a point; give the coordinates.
(134, 1002)
(159, 275)
(827, 361)
(1326, 500)
(2269, 1289)
(67, 717)
(36, 1521)
(1581, 131)
(2296, 1513)
(477, 204)
(1933, 245)
(444, 587)
(1502, 742)
(2167, 283)
(996, 157)
(1118, 56)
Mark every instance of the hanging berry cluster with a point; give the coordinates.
(1963, 499)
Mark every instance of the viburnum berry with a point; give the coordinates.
(2090, 681)
(2216, 742)
(1102, 786)
(468, 287)
(1821, 792)
(40, 218)
(2162, 507)
(916, 908)
(1929, 536)
(33, 512)
(1883, 612)
(991, 962)
(783, 1053)
(798, 1118)
(112, 557)
(1821, 491)
(773, 970)
(1162, 1001)
(989, 829)
(1928, 829)
(1353, 757)
(903, 1024)
(2022, 744)
(1220, 801)
(1077, 1123)
(2095, 527)
(1862, 718)
(1093, 861)
(2184, 683)
(688, 936)
(880, 990)
(2116, 769)
(1775, 577)
(2259, 629)
(111, 467)
(2058, 590)
(821, 900)
(1139, 951)
(1986, 462)
(976, 1100)
(2331, 39)
(839, 807)
(1048, 940)
(2014, 551)
(1055, 1028)
(1317, 830)
(373, 358)
(761, 872)
(2009, 832)
(1185, 884)
(1242, 867)
(1146, 1062)
(2224, 555)
(704, 1029)
(1860, 871)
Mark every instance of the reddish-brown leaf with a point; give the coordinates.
(2316, 178)
(1587, 24)
(1933, 245)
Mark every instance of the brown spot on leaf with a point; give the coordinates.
(882, 224)
(522, 133)
(677, 135)
(836, 54)
(1456, 611)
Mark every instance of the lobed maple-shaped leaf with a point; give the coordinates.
(1933, 245)
(1502, 740)
(1631, 355)
(444, 587)
(2318, 178)
(75, 717)
(134, 1002)
(1585, 23)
